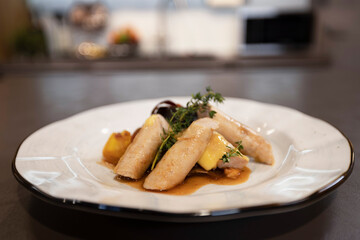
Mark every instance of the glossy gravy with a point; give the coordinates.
(191, 183)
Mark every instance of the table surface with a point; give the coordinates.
(29, 101)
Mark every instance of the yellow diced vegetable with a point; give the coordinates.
(115, 146)
(214, 151)
(150, 121)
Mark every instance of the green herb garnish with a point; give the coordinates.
(234, 152)
(183, 117)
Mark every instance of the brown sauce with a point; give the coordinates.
(192, 182)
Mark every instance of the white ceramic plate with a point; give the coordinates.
(59, 163)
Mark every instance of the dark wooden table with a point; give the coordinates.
(29, 101)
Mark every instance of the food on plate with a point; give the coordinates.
(216, 148)
(254, 144)
(116, 146)
(140, 153)
(182, 156)
(181, 145)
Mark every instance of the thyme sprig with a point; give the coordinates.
(184, 116)
(233, 152)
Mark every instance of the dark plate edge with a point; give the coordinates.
(211, 216)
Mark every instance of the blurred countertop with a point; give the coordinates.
(299, 60)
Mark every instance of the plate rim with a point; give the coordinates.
(208, 216)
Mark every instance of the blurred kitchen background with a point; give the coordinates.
(163, 33)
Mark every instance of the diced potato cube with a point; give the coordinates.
(214, 151)
(115, 146)
(150, 121)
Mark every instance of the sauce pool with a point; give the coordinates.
(191, 183)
